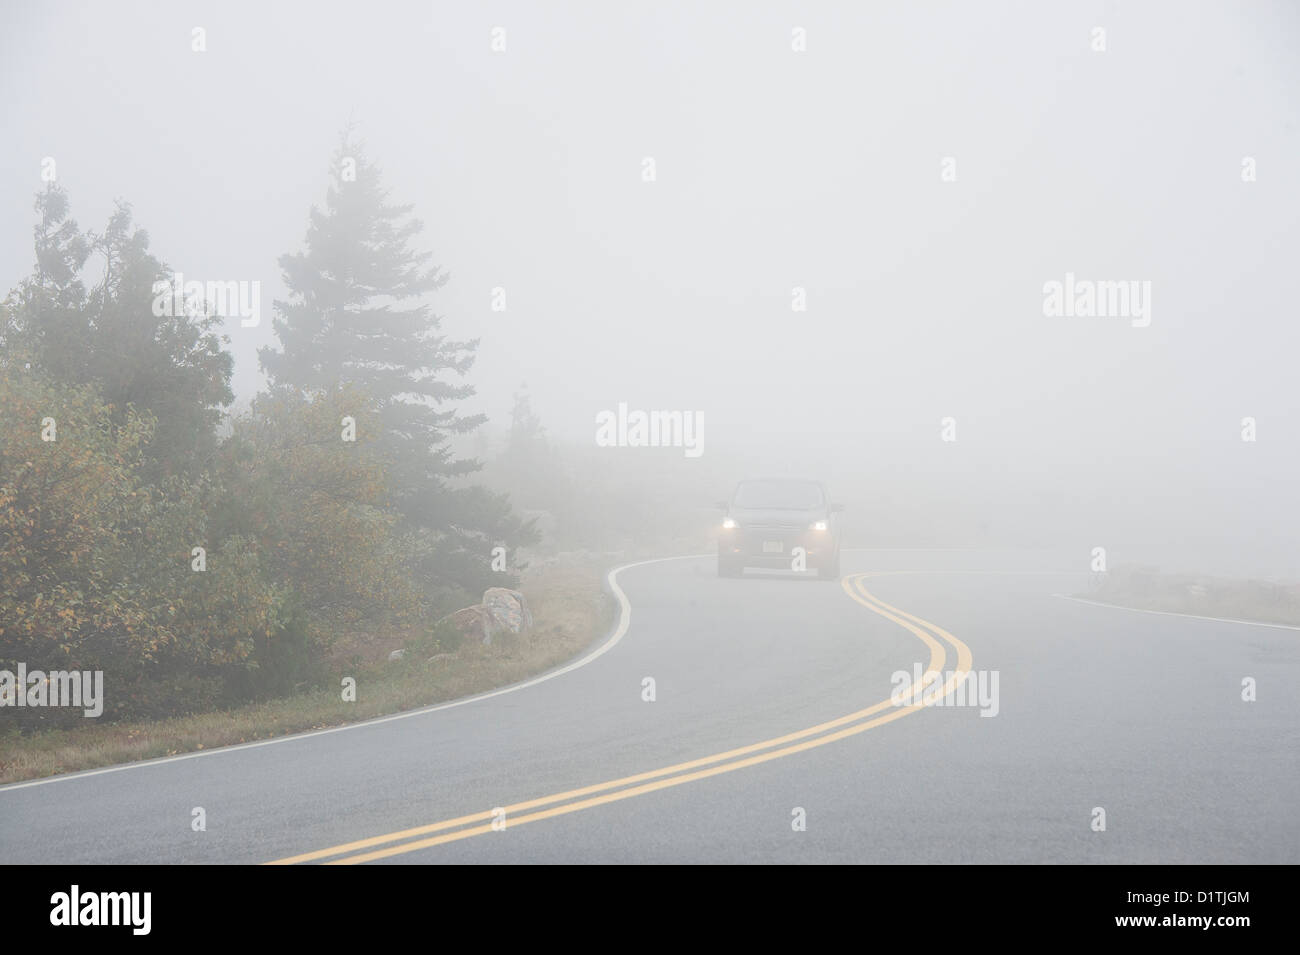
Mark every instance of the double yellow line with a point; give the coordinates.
(576, 800)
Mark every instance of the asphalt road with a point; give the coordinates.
(1139, 714)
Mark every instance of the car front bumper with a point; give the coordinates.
(758, 546)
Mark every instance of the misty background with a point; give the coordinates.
(775, 169)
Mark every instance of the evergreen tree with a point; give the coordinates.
(527, 436)
(355, 316)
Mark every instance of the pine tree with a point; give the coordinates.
(355, 316)
(527, 445)
(528, 463)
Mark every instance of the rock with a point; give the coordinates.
(475, 621)
(509, 610)
(397, 655)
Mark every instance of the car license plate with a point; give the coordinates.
(772, 547)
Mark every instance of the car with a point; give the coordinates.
(766, 519)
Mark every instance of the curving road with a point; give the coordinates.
(771, 704)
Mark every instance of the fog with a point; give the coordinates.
(842, 245)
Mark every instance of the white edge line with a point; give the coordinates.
(624, 620)
(1171, 613)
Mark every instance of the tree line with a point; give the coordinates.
(201, 558)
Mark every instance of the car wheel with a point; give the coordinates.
(727, 568)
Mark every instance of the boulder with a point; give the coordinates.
(502, 611)
(509, 610)
(471, 622)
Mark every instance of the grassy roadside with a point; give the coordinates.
(1144, 589)
(569, 609)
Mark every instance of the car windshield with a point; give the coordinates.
(779, 495)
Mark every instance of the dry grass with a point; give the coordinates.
(569, 612)
(1143, 589)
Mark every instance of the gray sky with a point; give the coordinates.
(775, 169)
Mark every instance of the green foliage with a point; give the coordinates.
(318, 510)
(281, 664)
(97, 563)
(171, 366)
(306, 536)
(442, 637)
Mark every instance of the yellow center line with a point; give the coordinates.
(679, 773)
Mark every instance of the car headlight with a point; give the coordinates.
(818, 526)
(728, 523)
